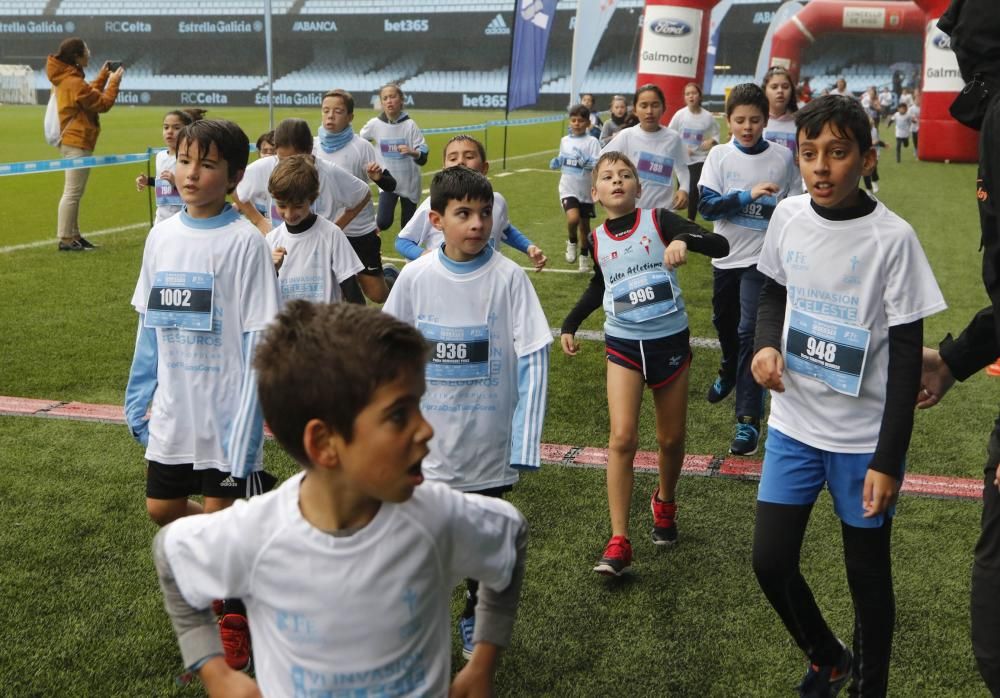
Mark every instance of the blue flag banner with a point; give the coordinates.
(532, 26)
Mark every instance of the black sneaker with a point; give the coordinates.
(827, 680)
(87, 244)
(71, 246)
(720, 389)
(747, 437)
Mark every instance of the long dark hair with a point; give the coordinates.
(70, 50)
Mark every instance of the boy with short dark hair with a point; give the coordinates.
(205, 293)
(577, 154)
(839, 336)
(489, 339)
(312, 256)
(741, 183)
(348, 566)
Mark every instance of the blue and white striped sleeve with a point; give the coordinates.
(141, 382)
(247, 431)
(408, 248)
(529, 415)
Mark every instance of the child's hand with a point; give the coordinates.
(475, 680)
(140, 182)
(880, 493)
(405, 150)
(675, 255)
(680, 200)
(537, 257)
(278, 257)
(222, 682)
(167, 175)
(374, 171)
(763, 189)
(935, 379)
(554, 163)
(767, 367)
(707, 144)
(569, 344)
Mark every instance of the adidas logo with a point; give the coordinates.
(497, 26)
(229, 482)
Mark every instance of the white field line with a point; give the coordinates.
(55, 241)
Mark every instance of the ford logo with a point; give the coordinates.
(942, 41)
(670, 27)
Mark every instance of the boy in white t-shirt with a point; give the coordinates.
(312, 256)
(903, 120)
(206, 291)
(577, 154)
(741, 183)
(346, 568)
(488, 371)
(839, 344)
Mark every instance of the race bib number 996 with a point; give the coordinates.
(644, 297)
(182, 300)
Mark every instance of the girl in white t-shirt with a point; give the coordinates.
(168, 199)
(782, 104)
(700, 131)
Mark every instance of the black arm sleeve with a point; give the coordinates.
(975, 348)
(674, 227)
(386, 182)
(421, 159)
(770, 315)
(591, 300)
(903, 382)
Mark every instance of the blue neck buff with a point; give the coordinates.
(332, 142)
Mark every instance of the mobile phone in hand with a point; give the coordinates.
(114, 65)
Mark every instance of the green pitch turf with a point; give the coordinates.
(80, 599)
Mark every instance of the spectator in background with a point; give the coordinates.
(841, 88)
(804, 91)
(885, 102)
(79, 104)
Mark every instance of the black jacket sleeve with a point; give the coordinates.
(386, 182)
(902, 383)
(770, 315)
(975, 348)
(674, 227)
(591, 300)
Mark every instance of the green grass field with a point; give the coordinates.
(82, 613)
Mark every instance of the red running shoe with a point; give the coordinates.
(617, 558)
(235, 634)
(664, 520)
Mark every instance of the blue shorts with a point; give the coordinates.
(794, 473)
(659, 361)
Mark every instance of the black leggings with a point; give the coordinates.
(472, 585)
(777, 544)
(693, 195)
(387, 210)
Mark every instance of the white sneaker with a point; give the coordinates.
(570, 252)
(875, 187)
(585, 264)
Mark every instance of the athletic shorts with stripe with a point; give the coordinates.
(659, 360)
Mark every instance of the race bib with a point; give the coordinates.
(655, 168)
(457, 353)
(575, 164)
(782, 138)
(756, 214)
(166, 193)
(644, 297)
(181, 299)
(390, 148)
(826, 350)
(276, 218)
(692, 137)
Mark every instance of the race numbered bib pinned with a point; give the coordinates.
(828, 351)
(389, 148)
(655, 168)
(644, 297)
(166, 193)
(756, 214)
(457, 353)
(182, 300)
(692, 137)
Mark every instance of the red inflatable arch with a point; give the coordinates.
(944, 138)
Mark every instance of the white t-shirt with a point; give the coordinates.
(845, 279)
(338, 190)
(781, 130)
(420, 230)
(318, 260)
(903, 123)
(693, 129)
(199, 372)
(470, 399)
(387, 139)
(168, 199)
(577, 157)
(365, 614)
(914, 113)
(658, 157)
(354, 158)
(728, 169)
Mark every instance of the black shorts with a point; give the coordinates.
(659, 361)
(178, 481)
(368, 248)
(586, 210)
(904, 141)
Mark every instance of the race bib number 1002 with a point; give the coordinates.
(182, 300)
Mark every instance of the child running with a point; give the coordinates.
(168, 198)
(577, 154)
(205, 293)
(265, 144)
(646, 330)
(839, 337)
(596, 125)
(657, 151)
(348, 567)
(488, 371)
(700, 132)
(903, 121)
(312, 256)
(420, 236)
(782, 103)
(616, 119)
(742, 182)
(401, 143)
